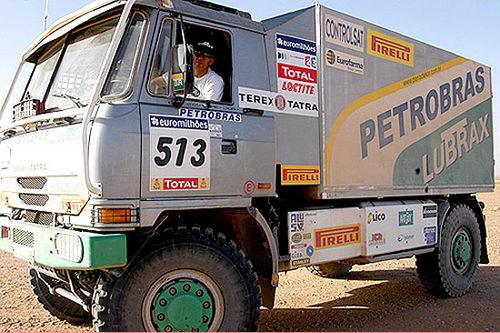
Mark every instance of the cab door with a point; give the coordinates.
(204, 149)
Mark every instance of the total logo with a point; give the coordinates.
(376, 217)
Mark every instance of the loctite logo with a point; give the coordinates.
(338, 236)
(296, 73)
(390, 48)
(300, 175)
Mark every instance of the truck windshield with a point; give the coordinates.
(78, 72)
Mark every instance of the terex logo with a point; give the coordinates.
(390, 48)
(300, 175)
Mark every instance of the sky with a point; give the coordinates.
(470, 28)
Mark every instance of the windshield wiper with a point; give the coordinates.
(74, 99)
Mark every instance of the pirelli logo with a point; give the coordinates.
(300, 175)
(337, 236)
(391, 48)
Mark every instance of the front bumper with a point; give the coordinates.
(63, 248)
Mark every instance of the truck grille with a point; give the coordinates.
(32, 183)
(34, 199)
(42, 218)
(23, 237)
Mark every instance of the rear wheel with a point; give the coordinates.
(57, 306)
(333, 270)
(450, 270)
(197, 281)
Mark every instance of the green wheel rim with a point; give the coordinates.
(183, 301)
(461, 251)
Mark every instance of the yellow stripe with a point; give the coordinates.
(367, 99)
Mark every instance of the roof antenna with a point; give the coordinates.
(46, 16)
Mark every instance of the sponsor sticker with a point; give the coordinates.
(297, 222)
(430, 212)
(179, 153)
(210, 115)
(327, 238)
(179, 184)
(376, 217)
(344, 33)
(405, 238)
(310, 250)
(178, 82)
(297, 238)
(264, 186)
(249, 187)
(376, 239)
(345, 62)
(296, 73)
(300, 175)
(215, 130)
(280, 103)
(301, 262)
(295, 44)
(430, 235)
(406, 218)
(297, 69)
(390, 48)
(307, 236)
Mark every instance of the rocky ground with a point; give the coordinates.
(378, 297)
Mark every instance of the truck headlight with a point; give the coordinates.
(69, 247)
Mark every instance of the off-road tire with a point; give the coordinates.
(57, 306)
(332, 270)
(436, 269)
(122, 304)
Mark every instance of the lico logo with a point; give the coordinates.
(376, 217)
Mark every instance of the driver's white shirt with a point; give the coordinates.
(209, 87)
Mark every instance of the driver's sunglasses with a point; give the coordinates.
(199, 54)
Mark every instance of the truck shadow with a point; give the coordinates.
(395, 302)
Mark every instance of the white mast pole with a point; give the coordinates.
(46, 16)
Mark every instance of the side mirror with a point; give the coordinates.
(183, 73)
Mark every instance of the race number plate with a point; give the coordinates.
(179, 153)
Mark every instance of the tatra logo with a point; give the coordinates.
(391, 48)
(338, 236)
(300, 175)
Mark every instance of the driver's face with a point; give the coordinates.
(202, 63)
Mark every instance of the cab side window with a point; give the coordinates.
(213, 49)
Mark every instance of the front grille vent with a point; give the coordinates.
(34, 199)
(42, 218)
(32, 183)
(23, 237)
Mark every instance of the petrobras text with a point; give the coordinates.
(344, 33)
(420, 111)
(295, 44)
(210, 115)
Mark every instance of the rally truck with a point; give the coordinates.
(336, 143)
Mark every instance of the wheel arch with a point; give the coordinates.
(477, 207)
(247, 228)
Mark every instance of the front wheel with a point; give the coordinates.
(450, 270)
(197, 281)
(57, 306)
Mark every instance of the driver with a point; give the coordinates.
(208, 85)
